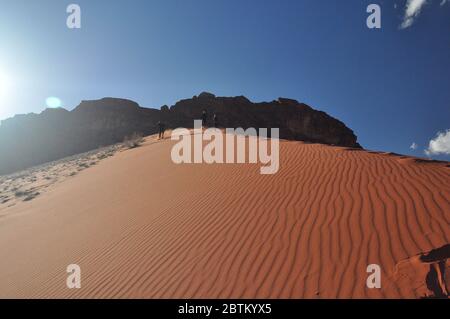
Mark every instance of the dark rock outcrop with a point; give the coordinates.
(28, 140)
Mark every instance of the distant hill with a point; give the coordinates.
(32, 139)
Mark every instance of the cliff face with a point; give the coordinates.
(297, 121)
(28, 140)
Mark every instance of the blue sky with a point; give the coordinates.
(391, 86)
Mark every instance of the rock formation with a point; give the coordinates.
(32, 139)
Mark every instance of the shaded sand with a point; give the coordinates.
(28, 184)
(141, 226)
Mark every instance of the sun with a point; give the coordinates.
(4, 85)
(6, 94)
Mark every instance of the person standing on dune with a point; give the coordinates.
(216, 120)
(204, 118)
(162, 129)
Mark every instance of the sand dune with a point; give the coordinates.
(28, 184)
(140, 226)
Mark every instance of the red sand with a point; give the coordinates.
(141, 226)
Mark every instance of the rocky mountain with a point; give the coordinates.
(32, 139)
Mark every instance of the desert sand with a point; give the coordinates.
(140, 226)
(28, 184)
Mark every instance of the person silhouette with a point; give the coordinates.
(216, 120)
(162, 129)
(204, 118)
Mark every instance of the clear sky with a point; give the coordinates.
(391, 86)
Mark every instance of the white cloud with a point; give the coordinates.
(413, 9)
(440, 144)
(414, 146)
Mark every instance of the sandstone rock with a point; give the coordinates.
(32, 139)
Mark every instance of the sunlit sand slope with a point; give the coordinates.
(140, 226)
